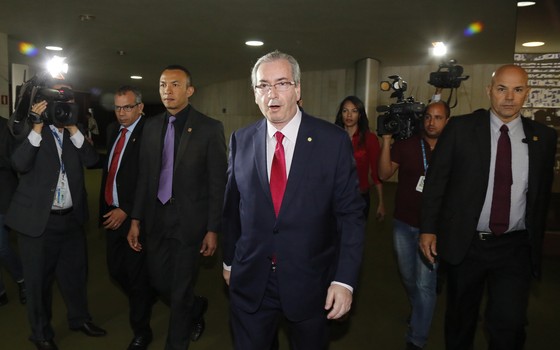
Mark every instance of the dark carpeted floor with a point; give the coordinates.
(378, 319)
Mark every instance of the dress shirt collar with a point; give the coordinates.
(290, 131)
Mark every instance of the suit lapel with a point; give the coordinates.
(482, 131)
(259, 147)
(532, 143)
(300, 161)
(190, 127)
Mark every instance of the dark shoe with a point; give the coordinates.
(198, 329)
(22, 293)
(3, 299)
(45, 344)
(91, 330)
(412, 346)
(199, 325)
(140, 342)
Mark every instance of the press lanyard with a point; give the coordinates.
(424, 156)
(59, 140)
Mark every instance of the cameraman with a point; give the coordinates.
(411, 157)
(48, 210)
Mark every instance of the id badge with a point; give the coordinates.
(420, 185)
(59, 197)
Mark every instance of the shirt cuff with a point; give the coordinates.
(77, 139)
(344, 285)
(226, 267)
(34, 138)
(436, 98)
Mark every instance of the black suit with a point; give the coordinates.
(174, 231)
(125, 265)
(454, 194)
(8, 178)
(52, 246)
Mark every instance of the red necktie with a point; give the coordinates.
(113, 167)
(278, 173)
(501, 197)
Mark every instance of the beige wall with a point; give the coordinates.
(233, 103)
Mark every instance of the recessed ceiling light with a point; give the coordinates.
(254, 43)
(525, 3)
(533, 44)
(86, 18)
(137, 77)
(53, 48)
(121, 52)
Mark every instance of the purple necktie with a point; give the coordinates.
(278, 173)
(501, 197)
(166, 173)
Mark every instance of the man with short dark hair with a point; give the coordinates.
(179, 201)
(412, 157)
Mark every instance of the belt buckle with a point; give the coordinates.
(483, 236)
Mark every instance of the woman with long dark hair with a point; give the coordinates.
(352, 117)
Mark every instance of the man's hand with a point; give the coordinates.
(427, 245)
(209, 244)
(226, 275)
(380, 215)
(114, 219)
(339, 300)
(133, 234)
(72, 129)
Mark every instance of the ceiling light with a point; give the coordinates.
(121, 53)
(53, 48)
(533, 44)
(439, 49)
(525, 3)
(254, 43)
(86, 18)
(137, 77)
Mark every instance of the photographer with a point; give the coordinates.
(48, 210)
(411, 156)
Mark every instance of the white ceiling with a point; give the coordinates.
(207, 36)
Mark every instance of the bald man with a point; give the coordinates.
(486, 234)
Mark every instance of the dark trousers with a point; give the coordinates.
(173, 265)
(129, 269)
(59, 253)
(258, 331)
(503, 265)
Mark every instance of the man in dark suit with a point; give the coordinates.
(48, 210)
(484, 210)
(179, 202)
(293, 217)
(118, 186)
(8, 183)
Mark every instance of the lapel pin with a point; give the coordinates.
(309, 139)
(535, 138)
(189, 130)
(134, 140)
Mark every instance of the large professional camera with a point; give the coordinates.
(60, 110)
(448, 76)
(401, 119)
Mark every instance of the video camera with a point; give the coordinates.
(448, 78)
(400, 119)
(60, 110)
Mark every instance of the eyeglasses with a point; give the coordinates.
(126, 108)
(264, 88)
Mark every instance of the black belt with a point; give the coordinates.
(485, 236)
(61, 211)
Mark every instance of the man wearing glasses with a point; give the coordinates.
(293, 217)
(126, 266)
(181, 181)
